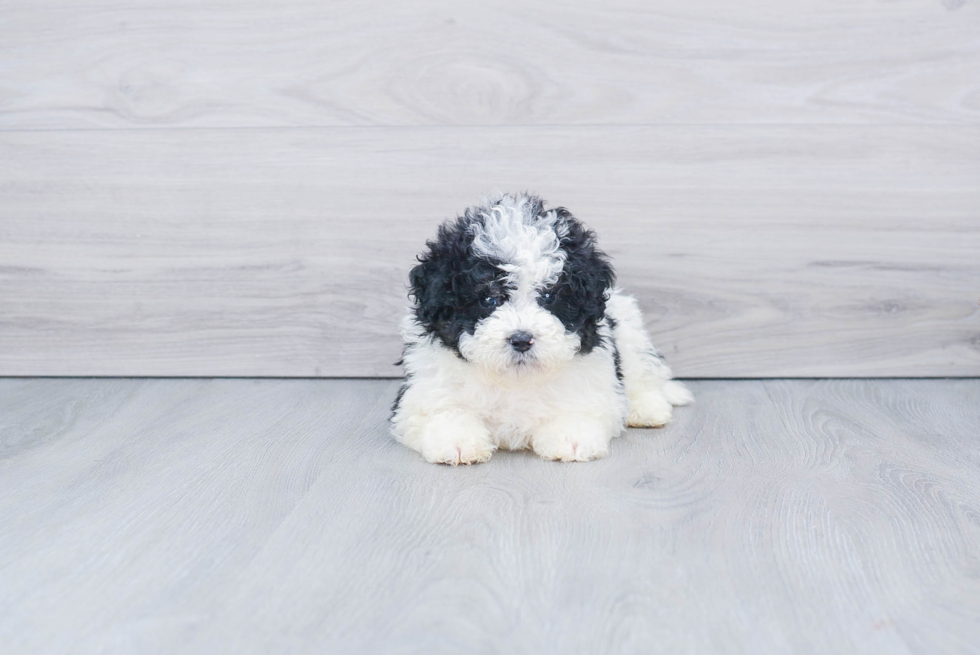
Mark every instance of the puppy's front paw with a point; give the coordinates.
(570, 440)
(455, 439)
(649, 410)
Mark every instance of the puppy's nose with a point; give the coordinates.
(521, 341)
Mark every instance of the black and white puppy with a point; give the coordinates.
(518, 339)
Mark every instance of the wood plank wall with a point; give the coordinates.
(239, 188)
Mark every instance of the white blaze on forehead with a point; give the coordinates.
(527, 244)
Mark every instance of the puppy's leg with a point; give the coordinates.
(454, 437)
(572, 438)
(446, 437)
(443, 434)
(647, 378)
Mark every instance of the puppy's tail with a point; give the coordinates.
(677, 394)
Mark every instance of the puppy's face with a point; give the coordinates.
(513, 288)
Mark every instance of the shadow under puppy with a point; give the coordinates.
(518, 339)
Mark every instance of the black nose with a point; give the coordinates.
(521, 341)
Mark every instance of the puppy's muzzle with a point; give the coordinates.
(521, 341)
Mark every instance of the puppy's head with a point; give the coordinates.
(513, 287)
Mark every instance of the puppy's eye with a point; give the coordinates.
(489, 301)
(547, 297)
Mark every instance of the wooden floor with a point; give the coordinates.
(246, 516)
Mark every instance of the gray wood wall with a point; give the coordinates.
(225, 188)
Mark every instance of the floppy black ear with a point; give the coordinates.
(431, 281)
(431, 288)
(446, 283)
(585, 281)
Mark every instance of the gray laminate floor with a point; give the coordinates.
(276, 516)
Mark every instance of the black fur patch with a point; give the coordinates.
(398, 399)
(404, 386)
(617, 362)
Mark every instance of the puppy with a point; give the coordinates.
(518, 339)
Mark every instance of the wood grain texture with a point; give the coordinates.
(755, 251)
(84, 64)
(242, 516)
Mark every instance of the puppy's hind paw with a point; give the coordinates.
(677, 394)
(649, 410)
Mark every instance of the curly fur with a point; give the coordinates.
(518, 339)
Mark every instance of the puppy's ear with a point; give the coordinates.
(587, 271)
(418, 281)
(432, 280)
(427, 284)
(585, 281)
